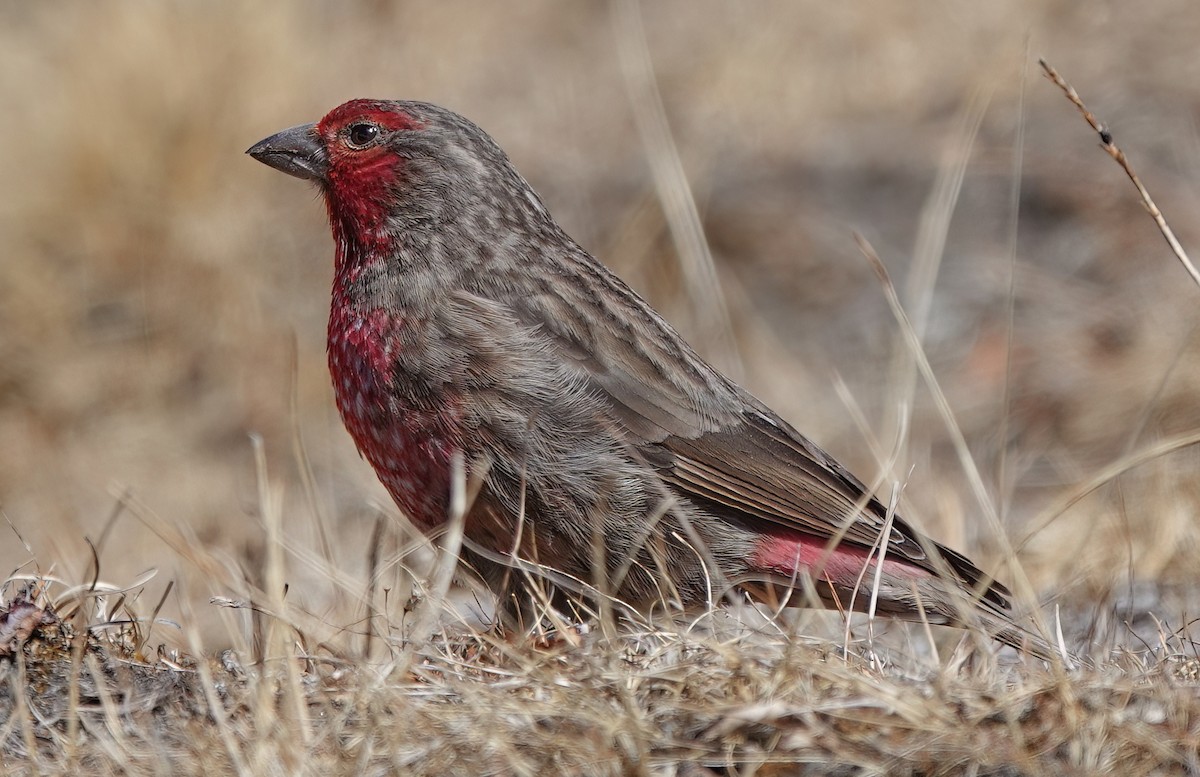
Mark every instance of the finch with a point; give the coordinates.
(466, 325)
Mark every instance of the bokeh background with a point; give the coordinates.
(163, 297)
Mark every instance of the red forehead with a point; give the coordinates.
(386, 114)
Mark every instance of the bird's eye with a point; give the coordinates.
(361, 134)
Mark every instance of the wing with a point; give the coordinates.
(710, 440)
(762, 471)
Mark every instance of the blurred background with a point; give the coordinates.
(163, 297)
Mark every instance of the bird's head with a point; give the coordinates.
(388, 168)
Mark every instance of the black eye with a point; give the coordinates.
(362, 134)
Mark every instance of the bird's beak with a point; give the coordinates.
(296, 151)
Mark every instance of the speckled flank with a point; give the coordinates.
(409, 448)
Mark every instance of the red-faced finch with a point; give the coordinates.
(467, 326)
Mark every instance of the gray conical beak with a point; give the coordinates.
(296, 151)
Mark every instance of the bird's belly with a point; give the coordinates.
(409, 446)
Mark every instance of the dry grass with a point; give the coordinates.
(667, 698)
(162, 299)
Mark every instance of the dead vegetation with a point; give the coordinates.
(709, 696)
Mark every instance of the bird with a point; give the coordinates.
(469, 333)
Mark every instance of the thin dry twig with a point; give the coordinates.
(1110, 147)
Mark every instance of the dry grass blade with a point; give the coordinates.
(1014, 205)
(1110, 147)
(1107, 475)
(1023, 586)
(937, 214)
(670, 181)
(216, 709)
(433, 607)
(278, 642)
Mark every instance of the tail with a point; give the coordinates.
(954, 606)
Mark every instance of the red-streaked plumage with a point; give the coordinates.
(465, 321)
(785, 553)
(409, 448)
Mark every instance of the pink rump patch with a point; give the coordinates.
(794, 553)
